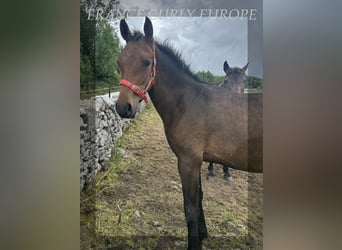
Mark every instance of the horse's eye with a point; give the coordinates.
(147, 62)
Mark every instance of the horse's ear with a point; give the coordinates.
(148, 29)
(245, 68)
(226, 67)
(124, 30)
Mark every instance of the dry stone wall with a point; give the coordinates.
(100, 128)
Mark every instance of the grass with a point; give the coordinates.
(137, 202)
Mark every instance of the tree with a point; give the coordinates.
(209, 77)
(86, 72)
(99, 47)
(87, 53)
(206, 76)
(254, 82)
(107, 49)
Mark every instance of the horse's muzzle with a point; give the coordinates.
(125, 110)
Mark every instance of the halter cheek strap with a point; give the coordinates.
(142, 92)
(135, 89)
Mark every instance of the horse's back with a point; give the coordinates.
(234, 131)
(219, 126)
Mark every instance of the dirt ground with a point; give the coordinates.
(137, 202)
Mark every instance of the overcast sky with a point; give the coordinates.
(205, 43)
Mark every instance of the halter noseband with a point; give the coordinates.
(142, 93)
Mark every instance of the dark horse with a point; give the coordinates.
(234, 81)
(233, 136)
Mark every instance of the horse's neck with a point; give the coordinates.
(168, 88)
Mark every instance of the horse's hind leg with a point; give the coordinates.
(227, 175)
(210, 175)
(189, 171)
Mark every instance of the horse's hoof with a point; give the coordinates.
(229, 179)
(210, 178)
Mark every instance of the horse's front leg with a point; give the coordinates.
(189, 171)
(203, 233)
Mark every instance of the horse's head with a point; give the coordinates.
(137, 65)
(235, 78)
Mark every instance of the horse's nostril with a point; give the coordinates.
(125, 110)
(129, 108)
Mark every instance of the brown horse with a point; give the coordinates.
(233, 136)
(234, 81)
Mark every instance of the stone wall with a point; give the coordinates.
(100, 128)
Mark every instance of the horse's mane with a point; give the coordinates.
(176, 57)
(173, 54)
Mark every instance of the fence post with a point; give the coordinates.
(109, 91)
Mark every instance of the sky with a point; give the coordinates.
(205, 43)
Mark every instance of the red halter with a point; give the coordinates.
(135, 88)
